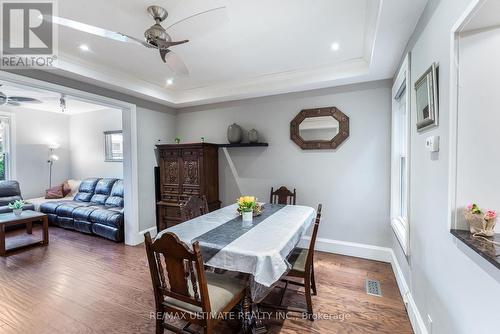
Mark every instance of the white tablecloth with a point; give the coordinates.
(260, 251)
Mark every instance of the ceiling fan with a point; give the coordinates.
(16, 100)
(155, 37)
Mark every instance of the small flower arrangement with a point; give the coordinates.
(480, 223)
(249, 204)
(17, 206)
(246, 203)
(248, 207)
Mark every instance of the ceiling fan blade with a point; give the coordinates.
(90, 29)
(165, 45)
(23, 99)
(174, 62)
(13, 103)
(142, 42)
(205, 21)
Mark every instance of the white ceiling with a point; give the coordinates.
(49, 100)
(263, 47)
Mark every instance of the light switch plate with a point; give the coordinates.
(432, 143)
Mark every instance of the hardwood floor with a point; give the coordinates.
(85, 284)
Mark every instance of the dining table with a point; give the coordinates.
(258, 248)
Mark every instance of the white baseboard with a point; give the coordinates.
(355, 249)
(383, 254)
(417, 322)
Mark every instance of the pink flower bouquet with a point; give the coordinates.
(480, 223)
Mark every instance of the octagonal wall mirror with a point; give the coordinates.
(321, 128)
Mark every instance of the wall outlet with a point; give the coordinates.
(429, 323)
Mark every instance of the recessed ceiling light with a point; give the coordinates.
(170, 81)
(335, 46)
(84, 47)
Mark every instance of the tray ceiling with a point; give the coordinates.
(259, 47)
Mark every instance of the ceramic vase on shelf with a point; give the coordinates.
(253, 136)
(234, 134)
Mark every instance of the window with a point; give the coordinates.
(4, 148)
(400, 156)
(113, 143)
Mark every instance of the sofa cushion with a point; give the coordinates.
(50, 207)
(115, 209)
(86, 190)
(55, 192)
(102, 191)
(66, 209)
(83, 212)
(107, 217)
(116, 196)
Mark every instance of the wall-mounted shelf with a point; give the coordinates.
(230, 162)
(244, 145)
(487, 250)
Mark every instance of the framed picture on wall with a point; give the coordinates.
(113, 146)
(427, 99)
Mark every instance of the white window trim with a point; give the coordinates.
(11, 161)
(400, 225)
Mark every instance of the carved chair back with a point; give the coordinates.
(312, 243)
(283, 196)
(177, 272)
(194, 207)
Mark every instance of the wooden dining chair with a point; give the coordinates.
(182, 288)
(194, 207)
(283, 196)
(302, 262)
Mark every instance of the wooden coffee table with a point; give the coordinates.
(27, 217)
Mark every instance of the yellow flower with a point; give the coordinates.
(246, 199)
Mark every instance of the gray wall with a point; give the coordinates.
(33, 130)
(478, 159)
(152, 127)
(456, 292)
(352, 182)
(86, 133)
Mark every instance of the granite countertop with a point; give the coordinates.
(487, 250)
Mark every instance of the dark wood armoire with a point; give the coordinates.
(186, 170)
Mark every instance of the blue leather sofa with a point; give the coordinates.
(97, 209)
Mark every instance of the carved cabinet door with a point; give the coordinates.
(191, 171)
(170, 171)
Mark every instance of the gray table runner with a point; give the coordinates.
(216, 239)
